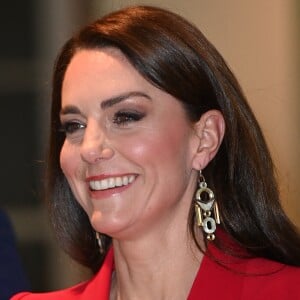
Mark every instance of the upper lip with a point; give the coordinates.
(106, 176)
(104, 182)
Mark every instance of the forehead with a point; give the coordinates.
(94, 76)
(104, 70)
(93, 62)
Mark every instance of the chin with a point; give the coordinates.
(109, 225)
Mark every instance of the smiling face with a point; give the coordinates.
(129, 147)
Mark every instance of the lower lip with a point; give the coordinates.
(102, 194)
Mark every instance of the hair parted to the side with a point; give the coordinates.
(174, 55)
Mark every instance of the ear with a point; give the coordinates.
(209, 133)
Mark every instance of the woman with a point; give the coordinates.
(156, 154)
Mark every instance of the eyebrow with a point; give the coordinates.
(71, 109)
(114, 100)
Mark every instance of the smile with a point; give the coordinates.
(111, 182)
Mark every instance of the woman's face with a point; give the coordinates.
(129, 147)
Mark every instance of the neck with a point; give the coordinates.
(156, 267)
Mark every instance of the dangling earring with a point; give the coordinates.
(100, 243)
(207, 212)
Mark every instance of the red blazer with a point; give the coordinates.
(244, 279)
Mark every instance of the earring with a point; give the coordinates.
(207, 212)
(100, 243)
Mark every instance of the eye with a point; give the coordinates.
(125, 117)
(71, 127)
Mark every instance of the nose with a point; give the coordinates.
(95, 146)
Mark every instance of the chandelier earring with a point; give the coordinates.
(206, 209)
(99, 242)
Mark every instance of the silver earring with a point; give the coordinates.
(100, 243)
(207, 212)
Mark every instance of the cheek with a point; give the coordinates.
(68, 160)
(162, 145)
(72, 168)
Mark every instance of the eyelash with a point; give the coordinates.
(122, 118)
(71, 127)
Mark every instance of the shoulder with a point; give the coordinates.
(13, 277)
(6, 231)
(245, 279)
(271, 279)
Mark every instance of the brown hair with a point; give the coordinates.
(175, 56)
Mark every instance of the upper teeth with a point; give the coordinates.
(111, 182)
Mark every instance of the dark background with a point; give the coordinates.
(31, 32)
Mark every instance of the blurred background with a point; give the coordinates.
(258, 38)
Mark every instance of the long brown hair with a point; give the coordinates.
(174, 56)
